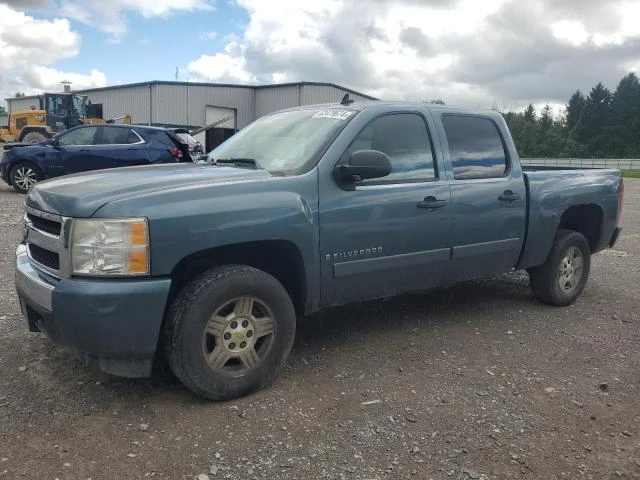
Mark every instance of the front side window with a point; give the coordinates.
(81, 136)
(475, 146)
(287, 142)
(405, 139)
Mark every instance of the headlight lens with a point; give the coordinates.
(110, 247)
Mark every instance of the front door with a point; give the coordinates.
(389, 235)
(488, 199)
(72, 152)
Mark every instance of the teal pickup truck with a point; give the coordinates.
(304, 209)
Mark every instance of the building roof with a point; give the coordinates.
(204, 84)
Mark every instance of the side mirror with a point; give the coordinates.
(53, 142)
(362, 165)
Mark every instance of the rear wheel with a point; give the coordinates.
(34, 137)
(229, 332)
(24, 175)
(561, 279)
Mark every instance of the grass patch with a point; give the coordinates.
(631, 173)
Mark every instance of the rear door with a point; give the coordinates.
(488, 198)
(119, 146)
(388, 235)
(73, 152)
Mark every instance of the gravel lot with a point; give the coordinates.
(478, 381)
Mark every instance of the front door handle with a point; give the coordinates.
(431, 203)
(509, 196)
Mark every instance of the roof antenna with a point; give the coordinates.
(346, 100)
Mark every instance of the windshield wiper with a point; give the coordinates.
(239, 162)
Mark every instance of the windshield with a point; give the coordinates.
(285, 142)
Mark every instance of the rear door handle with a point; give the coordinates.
(509, 196)
(431, 203)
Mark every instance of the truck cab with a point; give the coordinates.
(64, 110)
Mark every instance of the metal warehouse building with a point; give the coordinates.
(214, 111)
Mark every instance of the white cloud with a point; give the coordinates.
(220, 67)
(503, 52)
(107, 15)
(570, 30)
(50, 79)
(27, 45)
(25, 40)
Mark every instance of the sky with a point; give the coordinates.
(476, 53)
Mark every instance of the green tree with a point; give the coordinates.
(623, 128)
(529, 114)
(20, 94)
(574, 110)
(529, 133)
(595, 115)
(546, 141)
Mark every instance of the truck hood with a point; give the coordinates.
(82, 194)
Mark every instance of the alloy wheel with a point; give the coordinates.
(238, 336)
(25, 177)
(570, 270)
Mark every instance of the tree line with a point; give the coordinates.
(602, 124)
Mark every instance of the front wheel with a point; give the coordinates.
(25, 175)
(561, 279)
(229, 332)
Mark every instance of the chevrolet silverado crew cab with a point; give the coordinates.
(304, 209)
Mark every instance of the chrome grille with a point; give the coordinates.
(44, 257)
(44, 242)
(45, 225)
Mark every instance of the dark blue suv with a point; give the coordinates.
(90, 147)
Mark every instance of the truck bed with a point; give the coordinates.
(551, 192)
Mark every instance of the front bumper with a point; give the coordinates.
(117, 321)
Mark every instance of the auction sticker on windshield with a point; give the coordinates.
(334, 114)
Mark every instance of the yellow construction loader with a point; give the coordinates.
(56, 112)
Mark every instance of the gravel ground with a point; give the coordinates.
(477, 381)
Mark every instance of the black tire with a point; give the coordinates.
(24, 175)
(190, 346)
(34, 137)
(559, 281)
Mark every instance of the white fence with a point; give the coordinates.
(621, 163)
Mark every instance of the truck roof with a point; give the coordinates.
(390, 104)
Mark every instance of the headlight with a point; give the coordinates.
(110, 247)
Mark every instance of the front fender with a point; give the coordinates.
(189, 220)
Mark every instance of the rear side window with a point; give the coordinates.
(475, 146)
(405, 139)
(117, 136)
(160, 136)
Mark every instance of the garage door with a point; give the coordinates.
(225, 116)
